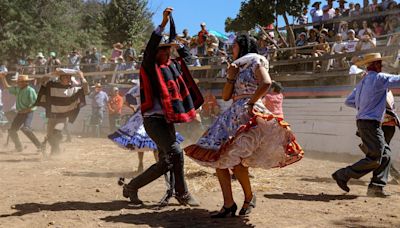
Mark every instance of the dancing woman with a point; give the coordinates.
(246, 134)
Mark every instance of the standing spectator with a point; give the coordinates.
(365, 28)
(31, 67)
(351, 8)
(302, 20)
(201, 40)
(117, 51)
(328, 14)
(40, 63)
(336, 25)
(366, 42)
(99, 104)
(86, 61)
(316, 14)
(357, 11)
(342, 8)
(74, 59)
(53, 62)
(374, 6)
(103, 66)
(339, 47)
(95, 56)
(352, 41)
(120, 66)
(26, 97)
(185, 38)
(114, 108)
(386, 4)
(129, 51)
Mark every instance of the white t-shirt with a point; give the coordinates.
(351, 45)
(361, 32)
(338, 47)
(368, 45)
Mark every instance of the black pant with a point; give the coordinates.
(377, 154)
(23, 120)
(388, 131)
(170, 156)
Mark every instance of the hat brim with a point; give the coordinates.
(367, 61)
(169, 45)
(19, 80)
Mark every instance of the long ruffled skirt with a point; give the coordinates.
(133, 135)
(262, 141)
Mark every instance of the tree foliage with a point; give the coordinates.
(127, 20)
(31, 26)
(263, 12)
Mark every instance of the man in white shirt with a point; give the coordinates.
(352, 41)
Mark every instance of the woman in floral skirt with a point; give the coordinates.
(246, 134)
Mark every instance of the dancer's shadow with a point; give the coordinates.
(30, 208)
(307, 197)
(188, 217)
(330, 180)
(102, 174)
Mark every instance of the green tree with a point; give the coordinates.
(264, 12)
(127, 20)
(30, 26)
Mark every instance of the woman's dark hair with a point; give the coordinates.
(246, 44)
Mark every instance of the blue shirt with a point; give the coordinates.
(369, 96)
(99, 100)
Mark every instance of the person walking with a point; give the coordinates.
(25, 100)
(369, 98)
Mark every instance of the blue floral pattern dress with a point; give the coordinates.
(263, 140)
(133, 135)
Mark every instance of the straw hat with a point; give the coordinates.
(118, 45)
(97, 85)
(371, 57)
(23, 78)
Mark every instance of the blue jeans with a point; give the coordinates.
(170, 156)
(23, 121)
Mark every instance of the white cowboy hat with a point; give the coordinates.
(40, 55)
(23, 78)
(135, 81)
(371, 57)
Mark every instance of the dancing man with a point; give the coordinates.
(26, 97)
(168, 95)
(369, 98)
(62, 101)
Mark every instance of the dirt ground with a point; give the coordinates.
(79, 189)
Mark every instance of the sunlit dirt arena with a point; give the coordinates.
(79, 189)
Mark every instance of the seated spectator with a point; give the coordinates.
(343, 29)
(322, 48)
(312, 36)
(366, 42)
(352, 41)
(31, 67)
(392, 26)
(388, 4)
(103, 66)
(357, 11)
(339, 47)
(365, 28)
(120, 66)
(301, 40)
(331, 36)
(378, 29)
(355, 27)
